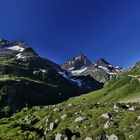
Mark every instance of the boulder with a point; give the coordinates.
(58, 136)
(80, 119)
(46, 131)
(112, 137)
(47, 118)
(120, 106)
(106, 116)
(131, 108)
(26, 118)
(52, 126)
(64, 116)
(108, 124)
(115, 107)
(69, 105)
(77, 126)
(56, 121)
(55, 109)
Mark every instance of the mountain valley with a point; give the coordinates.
(37, 97)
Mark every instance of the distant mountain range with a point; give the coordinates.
(101, 70)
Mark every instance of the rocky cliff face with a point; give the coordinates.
(76, 63)
(100, 70)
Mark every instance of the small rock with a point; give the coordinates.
(115, 106)
(52, 126)
(116, 111)
(91, 125)
(56, 109)
(106, 115)
(64, 116)
(58, 136)
(88, 138)
(46, 131)
(47, 118)
(85, 127)
(112, 137)
(26, 118)
(108, 124)
(56, 121)
(29, 122)
(120, 106)
(79, 119)
(138, 117)
(54, 106)
(127, 105)
(131, 136)
(77, 126)
(101, 137)
(69, 105)
(131, 108)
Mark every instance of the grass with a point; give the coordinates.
(31, 123)
(126, 123)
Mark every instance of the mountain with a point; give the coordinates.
(76, 63)
(111, 113)
(100, 70)
(26, 79)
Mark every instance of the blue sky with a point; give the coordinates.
(61, 29)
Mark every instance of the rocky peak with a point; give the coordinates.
(102, 62)
(80, 57)
(19, 43)
(3, 42)
(77, 62)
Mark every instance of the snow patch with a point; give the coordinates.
(19, 56)
(110, 65)
(63, 74)
(71, 68)
(77, 81)
(16, 48)
(77, 72)
(111, 73)
(114, 72)
(42, 70)
(104, 68)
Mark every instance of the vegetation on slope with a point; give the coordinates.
(99, 115)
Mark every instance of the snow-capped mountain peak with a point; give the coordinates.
(76, 63)
(101, 70)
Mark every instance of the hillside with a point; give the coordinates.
(26, 79)
(112, 113)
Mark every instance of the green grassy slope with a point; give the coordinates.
(122, 119)
(20, 87)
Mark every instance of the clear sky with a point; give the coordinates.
(61, 29)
